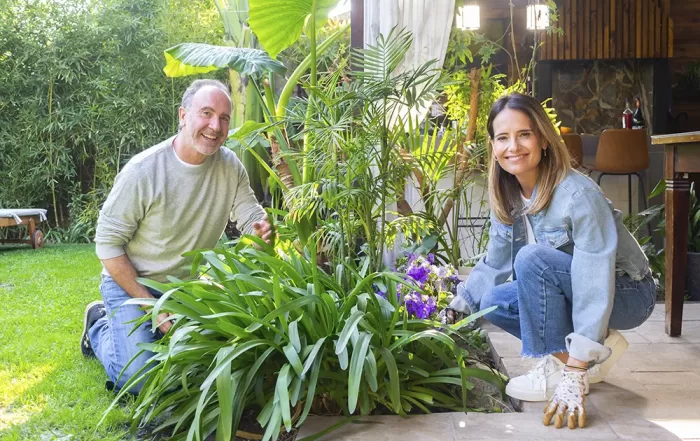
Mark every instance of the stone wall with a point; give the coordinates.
(590, 96)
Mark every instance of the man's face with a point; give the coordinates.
(205, 123)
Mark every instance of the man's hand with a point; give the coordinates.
(165, 326)
(568, 401)
(263, 229)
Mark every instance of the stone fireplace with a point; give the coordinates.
(589, 96)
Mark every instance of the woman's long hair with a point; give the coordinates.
(504, 189)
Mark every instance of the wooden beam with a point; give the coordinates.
(575, 18)
(586, 29)
(613, 28)
(657, 31)
(664, 33)
(645, 28)
(600, 11)
(568, 31)
(357, 26)
(606, 28)
(625, 28)
(638, 25)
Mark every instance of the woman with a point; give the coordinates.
(577, 272)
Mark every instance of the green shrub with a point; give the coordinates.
(279, 333)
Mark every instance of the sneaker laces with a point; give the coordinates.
(541, 369)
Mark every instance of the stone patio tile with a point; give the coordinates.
(687, 380)
(634, 337)
(517, 365)
(526, 427)
(658, 315)
(654, 332)
(641, 418)
(434, 427)
(618, 404)
(619, 377)
(506, 345)
(661, 357)
(685, 429)
(691, 312)
(641, 430)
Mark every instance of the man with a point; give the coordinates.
(174, 197)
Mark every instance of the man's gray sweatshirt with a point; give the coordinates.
(161, 207)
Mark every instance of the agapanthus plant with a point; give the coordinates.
(437, 282)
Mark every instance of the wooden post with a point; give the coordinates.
(677, 199)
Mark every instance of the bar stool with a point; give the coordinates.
(574, 145)
(622, 152)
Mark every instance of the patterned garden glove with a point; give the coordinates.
(568, 401)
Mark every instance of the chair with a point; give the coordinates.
(27, 216)
(622, 152)
(575, 146)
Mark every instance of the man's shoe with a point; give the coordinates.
(618, 344)
(93, 312)
(540, 383)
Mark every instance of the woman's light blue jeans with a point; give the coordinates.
(112, 339)
(536, 307)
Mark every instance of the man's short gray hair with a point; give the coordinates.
(198, 84)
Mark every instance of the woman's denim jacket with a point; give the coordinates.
(581, 222)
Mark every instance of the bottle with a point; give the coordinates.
(627, 116)
(638, 118)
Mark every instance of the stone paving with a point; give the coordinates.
(653, 393)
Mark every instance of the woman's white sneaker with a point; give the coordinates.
(618, 344)
(539, 383)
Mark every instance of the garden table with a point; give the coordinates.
(24, 216)
(681, 158)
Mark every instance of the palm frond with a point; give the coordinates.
(377, 62)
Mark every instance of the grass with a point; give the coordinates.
(48, 391)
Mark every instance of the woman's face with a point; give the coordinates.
(516, 145)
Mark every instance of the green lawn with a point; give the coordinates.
(48, 391)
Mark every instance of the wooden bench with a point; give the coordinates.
(27, 216)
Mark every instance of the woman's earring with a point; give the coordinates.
(545, 152)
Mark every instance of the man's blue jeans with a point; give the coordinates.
(112, 339)
(536, 307)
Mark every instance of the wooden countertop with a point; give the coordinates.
(676, 138)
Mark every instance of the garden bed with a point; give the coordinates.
(483, 397)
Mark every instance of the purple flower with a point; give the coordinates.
(431, 258)
(413, 303)
(441, 272)
(418, 273)
(419, 306)
(411, 258)
(430, 306)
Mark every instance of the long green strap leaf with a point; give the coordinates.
(392, 370)
(359, 353)
(293, 358)
(282, 391)
(348, 329)
(311, 388)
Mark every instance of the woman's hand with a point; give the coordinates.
(568, 400)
